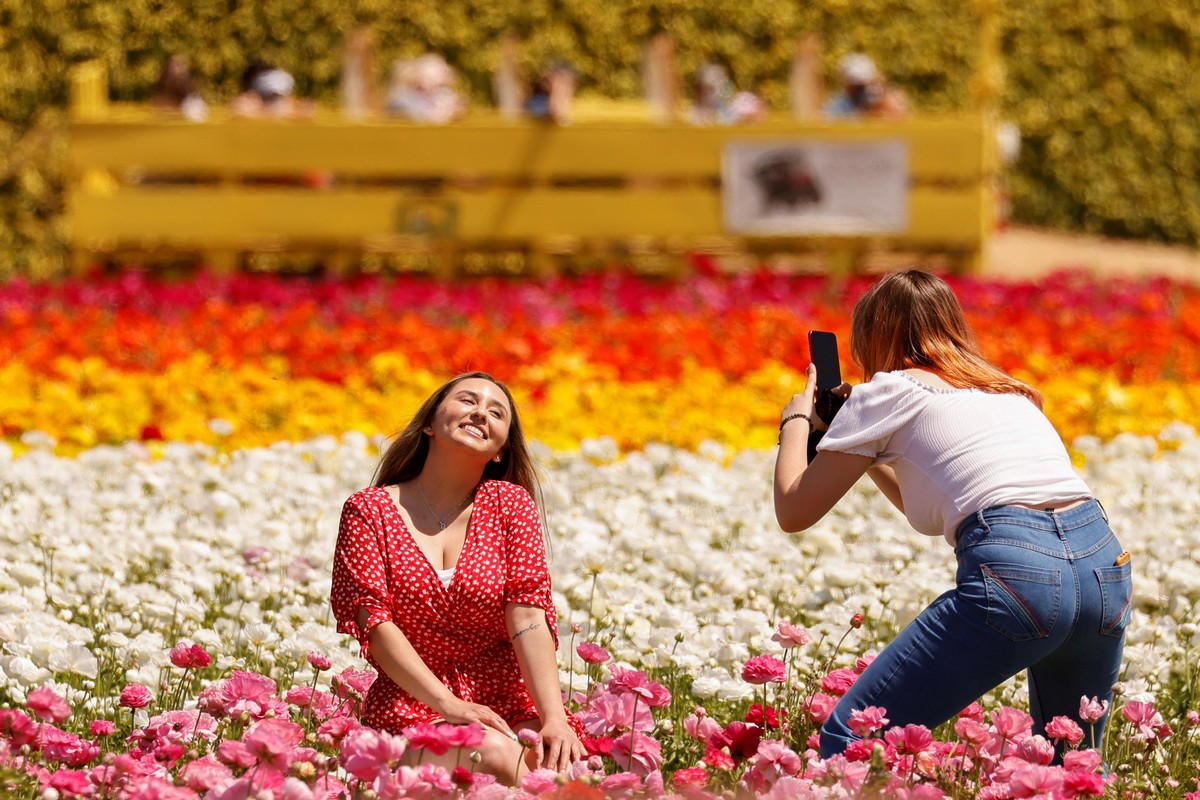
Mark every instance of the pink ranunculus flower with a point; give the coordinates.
(1148, 723)
(204, 773)
(909, 739)
(972, 731)
(70, 782)
(771, 762)
(1082, 760)
(839, 681)
(701, 727)
(236, 754)
(359, 680)
(101, 727)
(1036, 750)
(1034, 780)
(135, 695)
(621, 786)
(973, 711)
(1066, 729)
(610, 713)
(1086, 784)
(190, 656)
(527, 737)
(690, 776)
(243, 692)
(271, 751)
(426, 736)
(319, 661)
(632, 681)
(861, 663)
(464, 736)
(790, 635)
(764, 669)
(295, 789)
(592, 653)
(866, 721)
(332, 731)
(63, 747)
(46, 705)
(368, 753)
(638, 753)
(1011, 724)
(1093, 709)
(539, 781)
(820, 707)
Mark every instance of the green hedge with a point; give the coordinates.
(1100, 88)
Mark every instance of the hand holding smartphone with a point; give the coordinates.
(822, 349)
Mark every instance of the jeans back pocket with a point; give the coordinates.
(1116, 597)
(1022, 602)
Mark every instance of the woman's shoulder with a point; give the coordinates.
(368, 497)
(501, 490)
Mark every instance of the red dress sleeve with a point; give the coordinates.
(359, 575)
(527, 579)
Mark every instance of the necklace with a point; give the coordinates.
(441, 521)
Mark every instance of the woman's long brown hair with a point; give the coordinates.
(912, 319)
(405, 456)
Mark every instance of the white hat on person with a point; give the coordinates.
(858, 68)
(273, 83)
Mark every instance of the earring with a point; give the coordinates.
(498, 458)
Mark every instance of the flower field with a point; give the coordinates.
(175, 456)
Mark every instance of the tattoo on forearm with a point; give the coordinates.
(525, 630)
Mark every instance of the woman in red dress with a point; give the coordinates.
(440, 573)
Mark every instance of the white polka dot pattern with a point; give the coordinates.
(458, 631)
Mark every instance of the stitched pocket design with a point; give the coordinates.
(1116, 597)
(1022, 602)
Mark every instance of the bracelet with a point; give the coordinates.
(791, 417)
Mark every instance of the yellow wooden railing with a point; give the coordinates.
(483, 194)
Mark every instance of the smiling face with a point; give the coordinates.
(475, 414)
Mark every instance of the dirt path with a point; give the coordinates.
(1027, 253)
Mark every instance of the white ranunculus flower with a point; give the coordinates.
(25, 672)
(76, 660)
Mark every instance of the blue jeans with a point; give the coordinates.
(1036, 590)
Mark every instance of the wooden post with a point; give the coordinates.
(987, 83)
(660, 78)
(89, 90)
(506, 82)
(806, 82)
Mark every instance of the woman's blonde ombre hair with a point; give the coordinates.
(912, 319)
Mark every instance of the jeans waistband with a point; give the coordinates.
(1049, 520)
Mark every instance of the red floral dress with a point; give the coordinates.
(459, 631)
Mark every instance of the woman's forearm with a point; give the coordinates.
(533, 644)
(399, 660)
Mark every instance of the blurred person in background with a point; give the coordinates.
(865, 93)
(176, 90)
(718, 101)
(423, 90)
(267, 91)
(552, 94)
(440, 573)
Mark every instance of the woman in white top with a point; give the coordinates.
(965, 452)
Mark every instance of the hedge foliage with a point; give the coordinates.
(1099, 88)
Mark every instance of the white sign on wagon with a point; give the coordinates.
(811, 188)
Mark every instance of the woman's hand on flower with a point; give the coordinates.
(560, 746)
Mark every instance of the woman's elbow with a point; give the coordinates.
(792, 522)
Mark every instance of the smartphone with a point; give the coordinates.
(822, 349)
